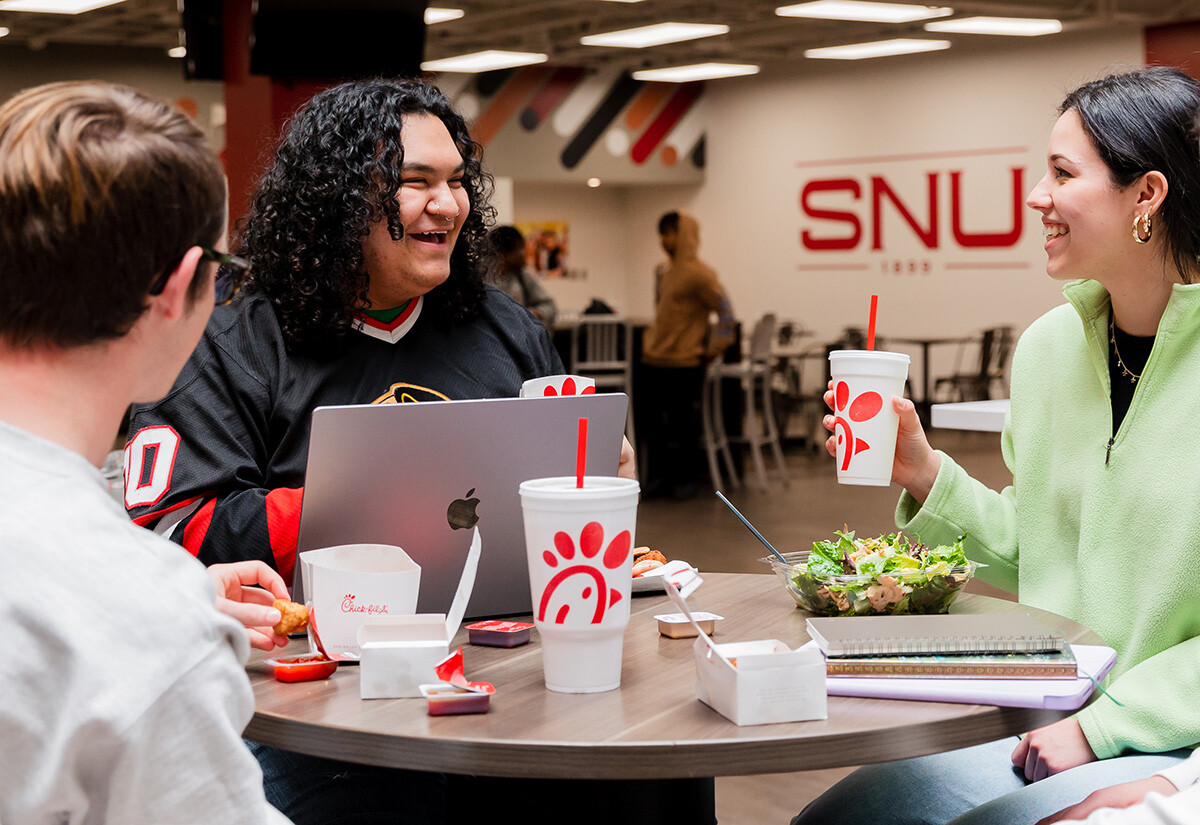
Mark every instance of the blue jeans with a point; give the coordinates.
(970, 786)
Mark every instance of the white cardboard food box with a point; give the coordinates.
(398, 653)
(349, 582)
(759, 682)
(769, 683)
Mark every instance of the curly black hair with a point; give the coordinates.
(337, 170)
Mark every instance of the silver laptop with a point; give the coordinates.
(421, 475)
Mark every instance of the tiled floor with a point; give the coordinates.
(704, 532)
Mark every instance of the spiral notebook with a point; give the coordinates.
(959, 633)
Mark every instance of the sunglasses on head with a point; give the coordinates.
(232, 272)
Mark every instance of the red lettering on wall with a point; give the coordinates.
(880, 188)
(836, 185)
(991, 239)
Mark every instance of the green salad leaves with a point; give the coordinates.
(885, 574)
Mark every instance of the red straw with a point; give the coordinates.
(581, 453)
(871, 323)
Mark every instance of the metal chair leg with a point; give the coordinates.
(754, 436)
(715, 424)
(772, 427)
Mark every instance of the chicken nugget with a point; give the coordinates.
(646, 554)
(295, 617)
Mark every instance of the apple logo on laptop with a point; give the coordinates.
(461, 515)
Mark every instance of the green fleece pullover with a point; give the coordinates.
(1108, 533)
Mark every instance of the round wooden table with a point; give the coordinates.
(653, 726)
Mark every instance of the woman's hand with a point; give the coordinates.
(1118, 796)
(1053, 749)
(240, 595)
(916, 465)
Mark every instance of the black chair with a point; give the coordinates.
(602, 349)
(995, 347)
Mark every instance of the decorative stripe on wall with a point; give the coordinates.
(618, 96)
(507, 101)
(631, 118)
(554, 92)
(671, 113)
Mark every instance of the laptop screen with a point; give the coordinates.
(420, 475)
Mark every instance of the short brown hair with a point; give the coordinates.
(102, 189)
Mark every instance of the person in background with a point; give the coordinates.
(675, 352)
(1094, 526)
(124, 695)
(368, 240)
(514, 279)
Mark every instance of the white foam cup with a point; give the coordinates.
(579, 543)
(558, 385)
(864, 382)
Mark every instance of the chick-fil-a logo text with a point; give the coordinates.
(349, 606)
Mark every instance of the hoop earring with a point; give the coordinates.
(1142, 229)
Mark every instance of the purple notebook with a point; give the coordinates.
(1050, 694)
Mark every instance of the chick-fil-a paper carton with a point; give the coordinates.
(399, 653)
(348, 583)
(757, 682)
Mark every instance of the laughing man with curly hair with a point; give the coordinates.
(368, 239)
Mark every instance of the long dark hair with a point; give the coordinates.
(1145, 121)
(336, 170)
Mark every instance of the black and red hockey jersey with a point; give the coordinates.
(218, 464)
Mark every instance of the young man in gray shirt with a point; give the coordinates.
(124, 697)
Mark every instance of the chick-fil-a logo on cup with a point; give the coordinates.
(558, 385)
(865, 422)
(348, 606)
(591, 539)
(864, 407)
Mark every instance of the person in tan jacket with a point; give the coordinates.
(676, 350)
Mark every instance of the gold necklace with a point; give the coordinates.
(1126, 371)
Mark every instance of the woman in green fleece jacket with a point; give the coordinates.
(1101, 523)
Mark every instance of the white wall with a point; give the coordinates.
(1001, 94)
(597, 246)
(147, 69)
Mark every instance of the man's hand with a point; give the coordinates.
(240, 594)
(1052, 749)
(1118, 796)
(627, 468)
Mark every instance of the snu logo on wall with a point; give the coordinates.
(917, 213)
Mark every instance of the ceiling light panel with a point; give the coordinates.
(696, 71)
(56, 6)
(435, 15)
(1010, 26)
(487, 61)
(878, 48)
(863, 11)
(655, 35)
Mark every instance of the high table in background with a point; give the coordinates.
(652, 727)
(924, 403)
